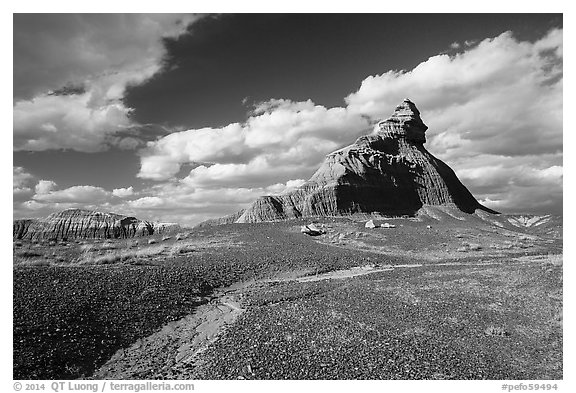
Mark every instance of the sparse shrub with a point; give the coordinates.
(108, 246)
(28, 254)
(471, 246)
(106, 259)
(148, 251)
(152, 241)
(496, 331)
(186, 249)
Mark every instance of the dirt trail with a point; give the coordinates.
(177, 346)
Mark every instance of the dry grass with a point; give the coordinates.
(132, 253)
(181, 249)
(108, 246)
(122, 256)
(36, 263)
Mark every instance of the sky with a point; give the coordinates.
(181, 118)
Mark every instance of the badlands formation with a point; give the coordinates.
(388, 172)
(86, 224)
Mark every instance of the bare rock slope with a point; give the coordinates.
(78, 223)
(388, 172)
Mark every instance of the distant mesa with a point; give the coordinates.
(388, 172)
(87, 224)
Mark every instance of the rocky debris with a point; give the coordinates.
(388, 172)
(78, 223)
(312, 230)
(371, 224)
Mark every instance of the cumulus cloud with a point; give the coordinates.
(22, 182)
(180, 202)
(46, 192)
(44, 196)
(146, 202)
(281, 140)
(44, 187)
(71, 73)
(123, 192)
(532, 183)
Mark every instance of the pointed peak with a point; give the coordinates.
(405, 122)
(407, 109)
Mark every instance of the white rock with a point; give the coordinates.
(370, 224)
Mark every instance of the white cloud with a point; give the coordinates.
(66, 122)
(46, 192)
(532, 183)
(21, 178)
(45, 187)
(180, 202)
(123, 192)
(281, 140)
(99, 56)
(22, 185)
(146, 202)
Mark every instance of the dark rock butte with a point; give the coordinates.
(389, 172)
(86, 224)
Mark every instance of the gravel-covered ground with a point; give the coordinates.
(492, 322)
(71, 317)
(69, 320)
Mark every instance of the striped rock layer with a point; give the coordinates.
(86, 224)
